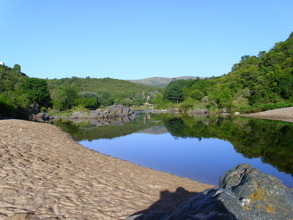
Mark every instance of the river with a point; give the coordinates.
(199, 148)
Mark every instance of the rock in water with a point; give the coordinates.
(244, 193)
(113, 111)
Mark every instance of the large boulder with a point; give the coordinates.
(41, 116)
(198, 111)
(113, 111)
(244, 193)
(78, 115)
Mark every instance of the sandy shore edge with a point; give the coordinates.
(45, 174)
(282, 114)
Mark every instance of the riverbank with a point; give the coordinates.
(281, 114)
(45, 174)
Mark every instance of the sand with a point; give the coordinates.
(281, 114)
(44, 174)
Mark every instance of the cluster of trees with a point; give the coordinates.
(255, 83)
(17, 92)
(92, 93)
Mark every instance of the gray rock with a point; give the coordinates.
(34, 108)
(198, 111)
(41, 116)
(78, 115)
(205, 99)
(244, 193)
(113, 111)
(224, 110)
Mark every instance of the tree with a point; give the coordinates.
(37, 91)
(138, 99)
(88, 100)
(105, 99)
(71, 96)
(17, 68)
(174, 91)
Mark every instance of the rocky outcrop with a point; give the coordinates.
(243, 193)
(37, 115)
(198, 111)
(114, 111)
(41, 116)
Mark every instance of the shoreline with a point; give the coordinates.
(45, 174)
(281, 114)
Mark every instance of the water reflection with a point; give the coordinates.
(198, 148)
(269, 140)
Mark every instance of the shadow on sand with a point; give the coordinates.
(170, 207)
(167, 203)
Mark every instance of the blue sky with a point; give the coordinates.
(135, 39)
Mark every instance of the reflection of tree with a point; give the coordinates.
(270, 140)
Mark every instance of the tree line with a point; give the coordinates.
(18, 92)
(256, 83)
(92, 93)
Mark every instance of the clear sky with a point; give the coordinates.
(135, 39)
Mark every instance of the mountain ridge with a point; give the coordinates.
(161, 81)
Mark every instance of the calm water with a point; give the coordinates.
(201, 149)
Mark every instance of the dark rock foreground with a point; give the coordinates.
(243, 193)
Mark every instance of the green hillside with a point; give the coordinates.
(106, 91)
(17, 92)
(160, 82)
(255, 83)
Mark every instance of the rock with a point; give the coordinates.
(78, 115)
(41, 116)
(236, 113)
(113, 111)
(224, 110)
(198, 111)
(34, 108)
(244, 193)
(36, 115)
(205, 99)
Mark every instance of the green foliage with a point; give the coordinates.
(157, 99)
(174, 91)
(108, 91)
(105, 99)
(7, 108)
(88, 100)
(187, 105)
(64, 98)
(270, 140)
(37, 91)
(18, 92)
(255, 83)
(139, 98)
(17, 68)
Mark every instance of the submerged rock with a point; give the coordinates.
(243, 193)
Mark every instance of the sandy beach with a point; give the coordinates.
(281, 114)
(44, 174)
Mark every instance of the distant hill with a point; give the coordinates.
(160, 81)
